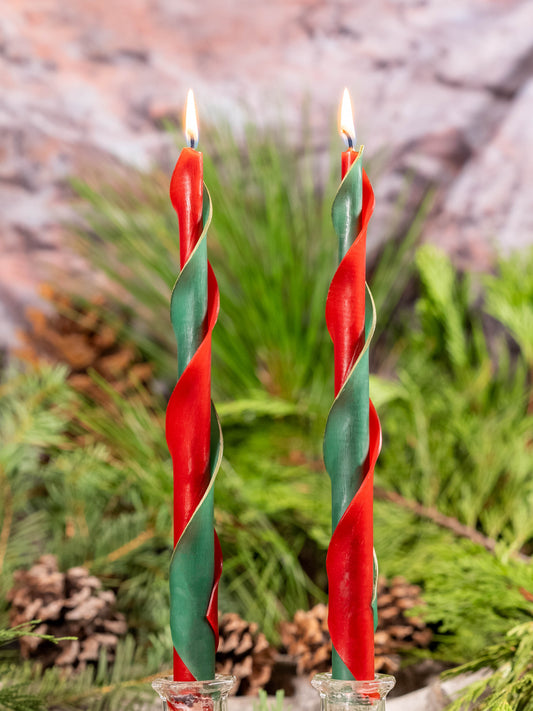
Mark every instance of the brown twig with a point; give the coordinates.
(448, 522)
(135, 682)
(126, 548)
(104, 690)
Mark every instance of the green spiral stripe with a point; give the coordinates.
(346, 438)
(188, 303)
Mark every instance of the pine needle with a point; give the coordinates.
(7, 520)
(127, 548)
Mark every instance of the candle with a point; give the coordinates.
(353, 437)
(192, 429)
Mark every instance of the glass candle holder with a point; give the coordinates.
(341, 695)
(211, 695)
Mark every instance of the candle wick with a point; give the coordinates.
(191, 142)
(348, 139)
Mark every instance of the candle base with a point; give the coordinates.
(340, 695)
(210, 695)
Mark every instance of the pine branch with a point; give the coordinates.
(111, 688)
(448, 522)
(25, 630)
(16, 698)
(92, 688)
(6, 523)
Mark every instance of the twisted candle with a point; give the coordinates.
(352, 438)
(193, 433)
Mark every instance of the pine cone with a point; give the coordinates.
(244, 652)
(307, 638)
(78, 337)
(70, 604)
(398, 630)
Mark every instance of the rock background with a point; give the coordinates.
(443, 90)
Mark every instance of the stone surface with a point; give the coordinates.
(441, 90)
(489, 203)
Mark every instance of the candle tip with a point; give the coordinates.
(191, 121)
(346, 123)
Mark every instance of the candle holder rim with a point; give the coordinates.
(221, 683)
(326, 685)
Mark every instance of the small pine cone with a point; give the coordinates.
(244, 652)
(397, 629)
(77, 336)
(70, 604)
(307, 639)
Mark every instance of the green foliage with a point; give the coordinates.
(26, 685)
(458, 437)
(390, 279)
(109, 470)
(509, 296)
(25, 630)
(262, 703)
(458, 434)
(97, 471)
(272, 256)
(272, 247)
(510, 687)
(274, 537)
(15, 696)
(263, 578)
(471, 596)
(269, 245)
(33, 416)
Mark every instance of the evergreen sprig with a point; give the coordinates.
(510, 686)
(17, 698)
(35, 406)
(26, 630)
(26, 685)
(457, 436)
(509, 296)
(471, 596)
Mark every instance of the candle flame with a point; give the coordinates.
(191, 121)
(346, 124)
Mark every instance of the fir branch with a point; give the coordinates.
(443, 521)
(108, 689)
(92, 688)
(511, 685)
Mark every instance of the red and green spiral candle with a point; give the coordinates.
(353, 436)
(351, 443)
(193, 431)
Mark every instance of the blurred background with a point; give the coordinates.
(441, 92)
(90, 115)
